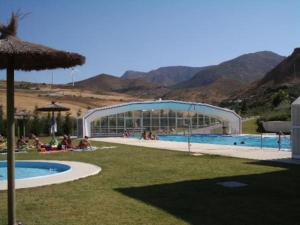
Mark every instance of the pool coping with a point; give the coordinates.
(78, 171)
(210, 149)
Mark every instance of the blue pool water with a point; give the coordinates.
(251, 141)
(33, 169)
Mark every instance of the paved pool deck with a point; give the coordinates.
(211, 149)
(78, 170)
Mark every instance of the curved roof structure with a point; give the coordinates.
(229, 117)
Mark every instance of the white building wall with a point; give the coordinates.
(295, 138)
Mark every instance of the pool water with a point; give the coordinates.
(251, 141)
(30, 169)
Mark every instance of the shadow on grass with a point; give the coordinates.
(269, 199)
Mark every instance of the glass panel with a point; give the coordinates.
(206, 120)
(137, 114)
(155, 121)
(146, 122)
(172, 113)
(155, 113)
(129, 123)
(112, 122)
(128, 114)
(172, 123)
(104, 122)
(120, 122)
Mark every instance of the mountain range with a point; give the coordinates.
(166, 76)
(285, 76)
(210, 84)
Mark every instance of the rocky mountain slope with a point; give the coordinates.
(211, 84)
(166, 76)
(244, 69)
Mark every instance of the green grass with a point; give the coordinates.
(250, 127)
(147, 186)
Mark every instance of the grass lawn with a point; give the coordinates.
(250, 127)
(148, 186)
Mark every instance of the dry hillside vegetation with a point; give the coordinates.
(28, 96)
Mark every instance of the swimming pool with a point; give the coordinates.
(28, 169)
(247, 140)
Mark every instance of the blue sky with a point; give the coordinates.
(120, 35)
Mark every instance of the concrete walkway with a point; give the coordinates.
(223, 150)
(78, 170)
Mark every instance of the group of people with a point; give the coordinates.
(25, 143)
(144, 135)
(64, 144)
(148, 136)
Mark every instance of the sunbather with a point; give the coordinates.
(21, 143)
(84, 143)
(63, 144)
(39, 145)
(2, 140)
(69, 142)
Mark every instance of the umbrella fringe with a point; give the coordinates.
(11, 28)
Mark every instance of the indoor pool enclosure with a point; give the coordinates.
(162, 117)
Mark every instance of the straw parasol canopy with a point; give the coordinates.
(53, 107)
(22, 115)
(28, 56)
(16, 54)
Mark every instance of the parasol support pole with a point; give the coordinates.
(11, 207)
(52, 128)
(24, 128)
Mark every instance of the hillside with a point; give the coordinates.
(211, 84)
(244, 69)
(273, 93)
(165, 76)
(287, 72)
(285, 75)
(212, 93)
(107, 82)
(135, 87)
(102, 82)
(30, 95)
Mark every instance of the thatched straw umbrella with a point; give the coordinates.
(19, 55)
(53, 107)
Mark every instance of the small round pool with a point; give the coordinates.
(28, 169)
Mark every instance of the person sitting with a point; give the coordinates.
(21, 143)
(1, 139)
(150, 136)
(39, 145)
(144, 135)
(69, 142)
(63, 144)
(84, 143)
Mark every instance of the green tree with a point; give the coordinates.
(244, 107)
(46, 124)
(35, 124)
(68, 124)
(279, 97)
(59, 122)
